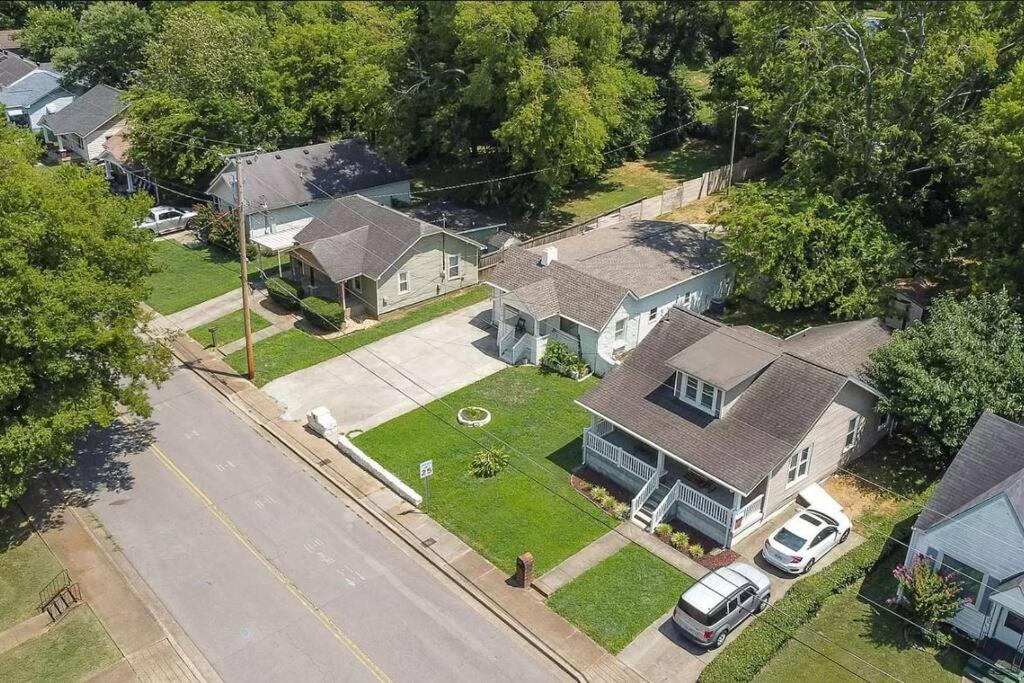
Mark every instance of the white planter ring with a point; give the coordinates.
(474, 423)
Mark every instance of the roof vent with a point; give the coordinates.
(548, 256)
(277, 156)
(305, 151)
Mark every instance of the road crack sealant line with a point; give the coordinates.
(281, 577)
(384, 519)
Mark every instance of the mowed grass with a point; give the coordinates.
(294, 350)
(616, 600)
(868, 632)
(26, 566)
(530, 505)
(229, 328)
(73, 650)
(190, 276)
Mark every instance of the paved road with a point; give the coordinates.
(272, 576)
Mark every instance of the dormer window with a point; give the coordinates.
(698, 393)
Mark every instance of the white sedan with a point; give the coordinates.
(804, 539)
(164, 219)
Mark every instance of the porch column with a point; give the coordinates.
(280, 268)
(343, 305)
(131, 182)
(661, 462)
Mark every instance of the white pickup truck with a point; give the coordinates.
(165, 219)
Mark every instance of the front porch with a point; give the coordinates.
(523, 338)
(664, 487)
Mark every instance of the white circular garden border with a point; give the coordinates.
(474, 423)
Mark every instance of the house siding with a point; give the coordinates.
(827, 439)
(94, 143)
(39, 109)
(427, 265)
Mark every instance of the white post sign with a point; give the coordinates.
(426, 470)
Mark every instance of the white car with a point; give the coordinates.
(165, 219)
(804, 539)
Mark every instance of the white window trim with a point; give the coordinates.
(858, 423)
(701, 384)
(976, 598)
(652, 315)
(790, 467)
(357, 284)
(619, 335)
(457, 267)
(403, 282)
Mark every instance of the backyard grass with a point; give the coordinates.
(530, 505)
(743, 311)
(73, 650)
(189, 276)
(294, 350)
(616, 600)
(26, 566)
(868, 631)
(229, 328)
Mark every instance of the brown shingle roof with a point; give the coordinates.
(759, 431)
(13, 67)
(843, 347)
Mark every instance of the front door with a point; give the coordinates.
(1010, 629)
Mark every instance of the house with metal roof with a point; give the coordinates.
(721, 427)
(973, 526)
(374, 259)
(34, 95)
(600, 293)
(286, 188)
(79, 130)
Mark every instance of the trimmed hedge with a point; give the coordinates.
(324, 313)
(752, 649)
(284, 292)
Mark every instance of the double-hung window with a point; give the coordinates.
(698, 393)
(707, 396)
(852, 427)
(692, 385)
(403, 281)
(453, 265)
(620, 330)
(971, 580)
(799, 463)
(652, 314)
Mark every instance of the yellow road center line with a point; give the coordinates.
(363, 658)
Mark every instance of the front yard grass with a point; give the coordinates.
(294, 350)
(26, 566)
(229, 328)
(530, 505)
(616, 600)
(190, 276)
(73, 650)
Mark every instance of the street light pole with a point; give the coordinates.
(732, 152)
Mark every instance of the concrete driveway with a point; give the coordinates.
(387, 378)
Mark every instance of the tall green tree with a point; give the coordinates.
(73, 269)
(797, 249)
(107, 45)
(938, 377)
(47, 29)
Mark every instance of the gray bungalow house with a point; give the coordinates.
(602, 292)
(721, 427)
(285, 189)
(375, 259)
(79, 130)
(974, 526)
(34, 95)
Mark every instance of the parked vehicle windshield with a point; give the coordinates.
(788, 539)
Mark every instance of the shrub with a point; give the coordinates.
(663, 531)
(696, 551)
(558, 357)
(216, 227)
(284, 292)
(598, 493)
(929, 597)
(474, 414)
(608, 501)
(620, 510)
(489, 463)
(324, 313)
(680, 540)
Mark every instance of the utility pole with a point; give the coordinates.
(732, 153)
(243, 253)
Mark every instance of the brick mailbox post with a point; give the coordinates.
(524, 570)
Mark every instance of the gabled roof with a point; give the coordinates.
(759, 431)
(88, 112)
(990, 463)
(566, 291)
(303, 174)
(843, 347)
(13, 67)
(31, 88)
(357, 236)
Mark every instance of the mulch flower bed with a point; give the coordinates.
(584, 479)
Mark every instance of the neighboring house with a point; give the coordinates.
(723, 426)
(974, 526)
(285, 189)
(79, 130)
(34, 95)
(375, 259)
(13, 68)
(9, 42)
(471, 223)
(125, 176)
(601, 292)
(909, 304)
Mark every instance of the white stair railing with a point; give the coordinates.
(640, 498)
(666, 503)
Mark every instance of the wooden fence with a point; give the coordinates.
(710, 182)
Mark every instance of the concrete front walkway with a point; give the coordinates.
(203, 313)
(394, 375)
(601, 549)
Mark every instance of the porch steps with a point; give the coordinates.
(643, 515)
(1001, 672)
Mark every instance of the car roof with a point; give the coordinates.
(800, 525)
(715, 587)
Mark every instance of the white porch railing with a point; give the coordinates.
(748, 514)
(518, 346)
(666, 503)
(706, 506)
(593, 444)
(641, 497)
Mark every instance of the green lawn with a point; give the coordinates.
(529, 506)
(742, 311)
(73, 650)
(189, 276)
(620, 597)
(26, 566)
(294, 350)
(229, 328)
(868, 631)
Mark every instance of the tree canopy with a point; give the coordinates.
(73, 269)
(106, 44)
(47, 29)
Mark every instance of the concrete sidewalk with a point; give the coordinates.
(522, 610)
(570, 568)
